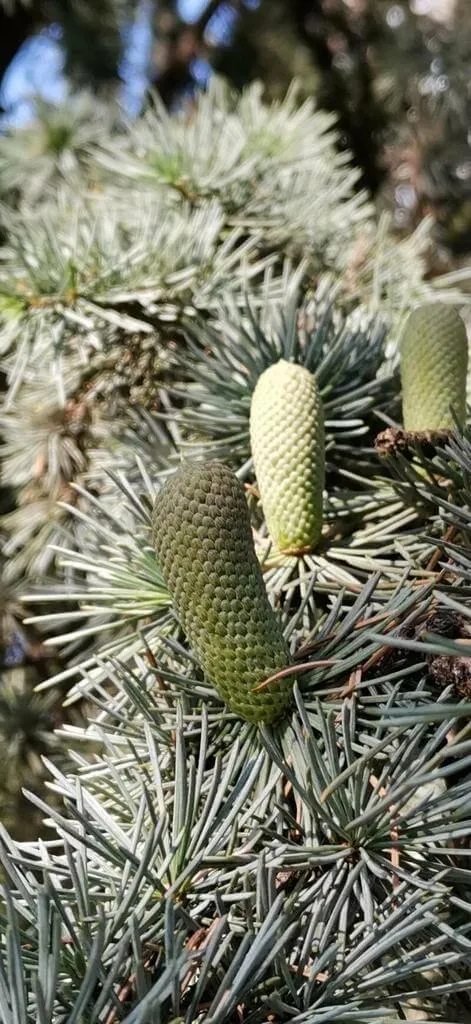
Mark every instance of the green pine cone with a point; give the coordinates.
(434, 363)
(204, 547)
(288, 448)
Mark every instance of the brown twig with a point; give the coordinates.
(307, 648)
(126, 989)
(448, 535)
(374, 658)
(200, 940)
(354, 680)
(292, 670)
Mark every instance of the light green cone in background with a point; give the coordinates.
(288, 448)
(204, 547)
(434, 363)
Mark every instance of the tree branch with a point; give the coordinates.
(360, 118)
(182, 45)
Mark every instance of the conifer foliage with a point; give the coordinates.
(266, 814)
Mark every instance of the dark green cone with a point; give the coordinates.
(434, 363)
(203, 542)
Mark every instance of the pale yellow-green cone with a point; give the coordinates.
(434, 362)
(288, 448)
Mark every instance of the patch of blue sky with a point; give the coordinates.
(38, 67)
(38, 70)
(201, 71)
(190, 10)
(135, 66)
(221, 26)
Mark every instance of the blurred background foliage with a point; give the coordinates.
(395, 73)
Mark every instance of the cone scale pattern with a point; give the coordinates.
(288, 448)
(204, 547)
(434, 362)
